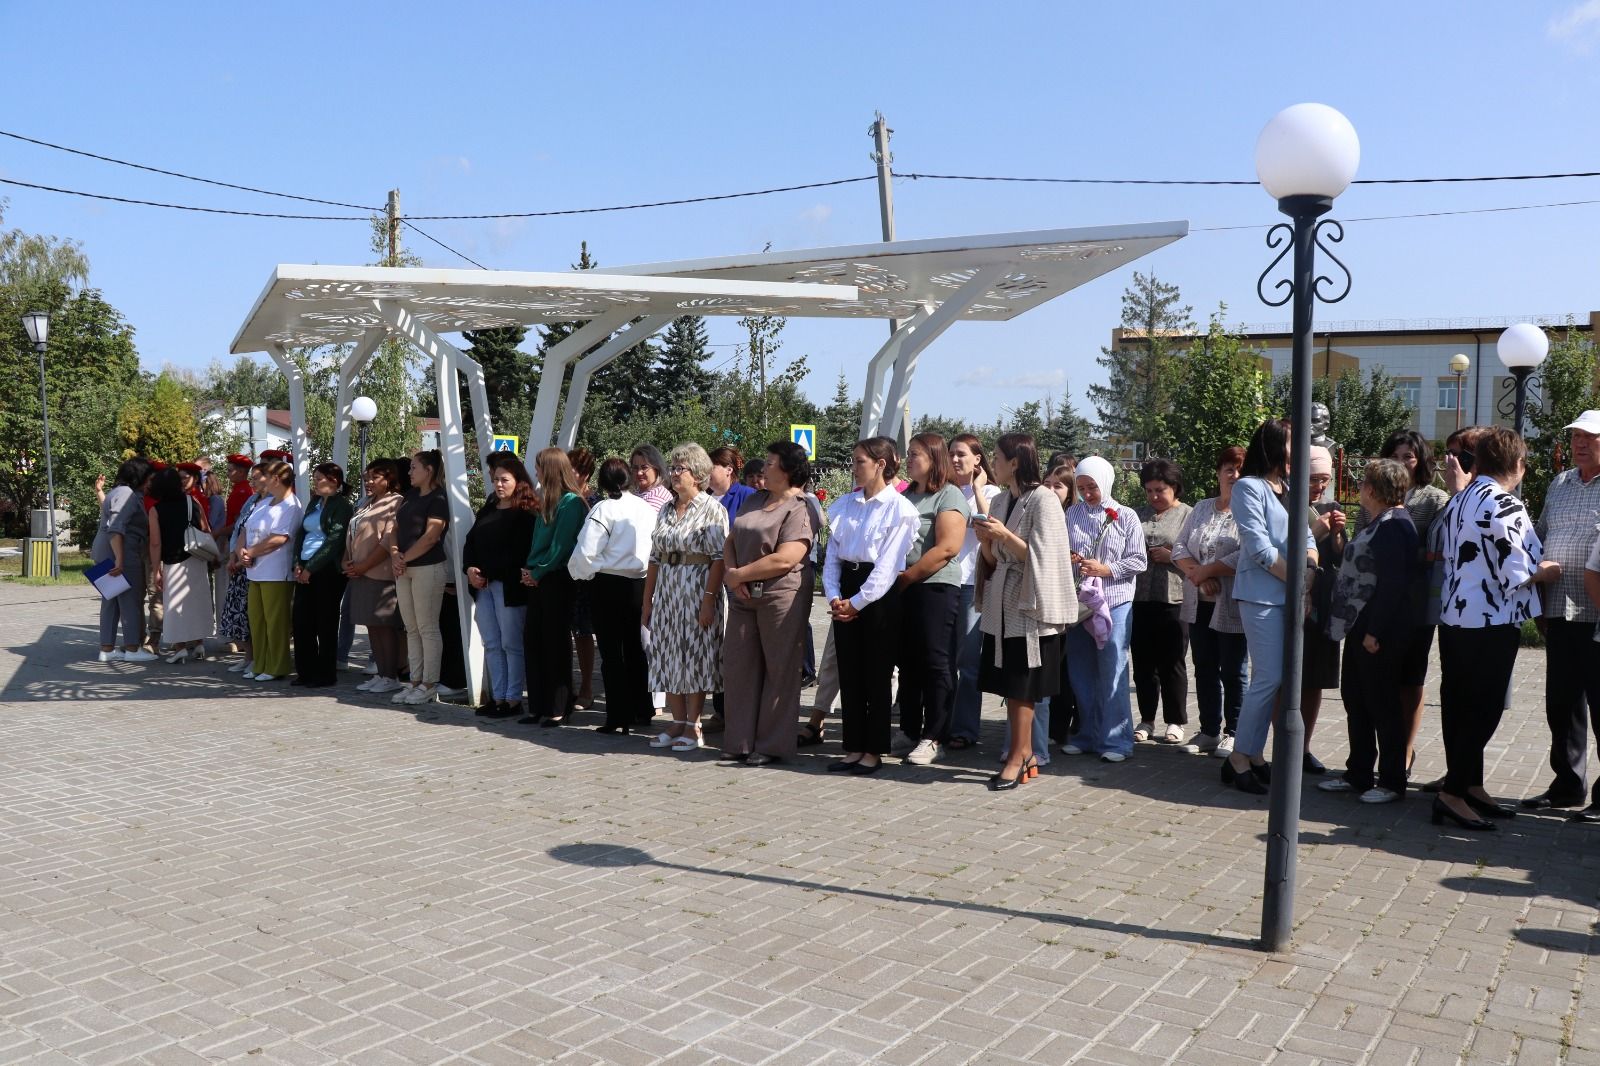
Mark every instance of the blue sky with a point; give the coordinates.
(533, 106)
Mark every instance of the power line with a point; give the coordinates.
(654, 203)
(1420, 214)
(407, 223)
(183, 207)
(1195, 181)
(179, 174)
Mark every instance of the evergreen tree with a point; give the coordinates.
(680, 367)
(839, 423)
(1065, 430)
(1133, 402)
(507, 373)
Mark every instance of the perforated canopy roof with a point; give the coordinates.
(897, 278)
(313, 305)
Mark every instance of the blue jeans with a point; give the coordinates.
(967, 718)
(500, 625)
(1263, 632)
(1099, 679)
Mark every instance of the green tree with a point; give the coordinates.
(160, 422)
(507, 372)
(1140, 371)
(1219, 401)
(1568, 376)
(1065, 430)
(839, 424)
(680, 367)
(1361, 413)
(30, 262)
(246, 383)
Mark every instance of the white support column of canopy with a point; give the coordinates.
(430, 343)
(300, 444)
(541, 431)
(637, 333)
(354, 364)
(878, 369)
(905, 360)
(452, 447)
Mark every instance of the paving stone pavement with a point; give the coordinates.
(195, 869)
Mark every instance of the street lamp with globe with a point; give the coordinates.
(1305, 157)
(1460, 363)
(362, 411)
(1522, 349)
(37, 325)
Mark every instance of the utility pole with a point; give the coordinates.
(394, 227)
(879, 131)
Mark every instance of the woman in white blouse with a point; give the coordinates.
(1492, 559)
(613, 555)
(870, 532)
(1206, 554)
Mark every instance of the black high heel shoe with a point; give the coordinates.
(1490, 808)
(1441, 812)
(1001, 783)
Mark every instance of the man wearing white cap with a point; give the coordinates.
(1568, 525)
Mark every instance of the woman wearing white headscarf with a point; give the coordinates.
(1108, 547)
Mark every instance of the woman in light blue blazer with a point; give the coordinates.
(1259, 589)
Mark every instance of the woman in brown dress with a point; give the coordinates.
(768, 574)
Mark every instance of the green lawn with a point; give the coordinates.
(73, 564)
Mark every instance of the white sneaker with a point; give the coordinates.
(421, 694)
(110, 656)
(447, 692)
(372, 668)
(1379, 795)
(1173, 735)
(246, 667)
(248, 676)
(265, 677)
(901, 745)
(1335, 784)
(365, 686)
(1201, 744)
(1143, 730)
(342, 665)
(139, 655)
(379, 685)
(1113, 756)
(1224, 747)
(925, 753)
(1071, 749)
(403, 694)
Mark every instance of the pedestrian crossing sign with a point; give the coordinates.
(806, 437)
(504, 443)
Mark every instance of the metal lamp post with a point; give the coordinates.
(37, 323)
(362, 411)
(1305, 156)
(1522, 349)
(1459, 365)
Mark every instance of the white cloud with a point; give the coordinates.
(817, 214)
(986, 377)
(1578, 27)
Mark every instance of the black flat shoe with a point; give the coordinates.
(861, 769)
(842, 767)
(1491, 808)
(1243, 780)
(611, 730)
(1263, 773)
(1441, 812)
(1544, 801)
(1590, 813)
(528, 719)
(1310, 764)
(1432, 786)
(502, 709)
(555, 720)
(809, 736)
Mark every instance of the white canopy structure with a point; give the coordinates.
(928, 285)
(925, 286)
(317, 305)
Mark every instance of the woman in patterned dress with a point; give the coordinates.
(683, 597)
(235, 622)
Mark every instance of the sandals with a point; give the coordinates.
(690, 741)
(810, 736)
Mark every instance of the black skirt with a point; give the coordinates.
(1016, 680)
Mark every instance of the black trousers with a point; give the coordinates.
(928, 620)
(1159, 644)
(865, 648)
(1571, 704)
(1370, 686)
(617, 603)
(1475, 668)
(547, 645)
(1218, 673)
(316, 626)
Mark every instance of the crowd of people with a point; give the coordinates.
(948, 573)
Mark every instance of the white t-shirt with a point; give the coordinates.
(968, 556)
(268, 520)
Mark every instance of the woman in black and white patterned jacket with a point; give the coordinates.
(1492, 559)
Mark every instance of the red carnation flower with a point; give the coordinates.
(822, 495)
(1111, 514)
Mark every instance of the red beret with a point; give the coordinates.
(272, 454)
(157, 464)
(191, 468)
(240, 460)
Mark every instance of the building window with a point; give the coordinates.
(1448, 394)
(1409, 392)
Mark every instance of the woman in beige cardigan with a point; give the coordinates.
(1027, 596)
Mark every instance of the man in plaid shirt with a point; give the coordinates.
(1568, 525)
